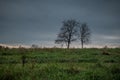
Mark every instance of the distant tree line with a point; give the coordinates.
(73, 30)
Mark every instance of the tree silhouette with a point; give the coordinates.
(67, 32)
(84, 34)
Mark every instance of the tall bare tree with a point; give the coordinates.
(84, 34)
(67, 32)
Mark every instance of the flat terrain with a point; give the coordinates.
(59, 64)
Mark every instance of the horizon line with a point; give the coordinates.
(54, 46)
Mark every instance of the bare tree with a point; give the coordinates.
(67, 32)
(84, 34)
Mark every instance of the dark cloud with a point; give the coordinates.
(29, 21)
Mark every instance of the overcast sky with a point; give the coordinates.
(39, 21)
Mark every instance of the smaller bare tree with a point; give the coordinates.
(84, 34)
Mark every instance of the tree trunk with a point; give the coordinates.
(82, 44)
(68, 45)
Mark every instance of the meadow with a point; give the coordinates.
(59, 64)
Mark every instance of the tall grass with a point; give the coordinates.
(60, 64)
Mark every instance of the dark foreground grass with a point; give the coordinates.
(59, 64)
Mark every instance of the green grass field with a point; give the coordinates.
(59, 64)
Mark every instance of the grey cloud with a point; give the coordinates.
(29, 20)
